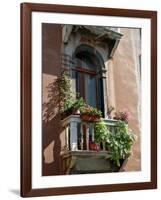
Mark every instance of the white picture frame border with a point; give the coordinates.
(39, 181)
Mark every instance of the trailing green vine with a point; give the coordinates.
(102, 133)
(66, 96)
(120, 143)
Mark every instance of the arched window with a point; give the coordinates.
(88, 75)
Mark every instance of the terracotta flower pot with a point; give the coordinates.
(93, 146)
(89, 118)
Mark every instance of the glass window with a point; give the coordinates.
(88, 81)
(90, 90)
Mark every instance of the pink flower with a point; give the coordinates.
(124, 115)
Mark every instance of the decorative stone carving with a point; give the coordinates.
(100, 33)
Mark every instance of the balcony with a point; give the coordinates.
(79, 134)
(79, 157)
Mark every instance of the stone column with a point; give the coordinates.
(73, 136)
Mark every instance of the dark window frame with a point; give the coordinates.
(92, 52)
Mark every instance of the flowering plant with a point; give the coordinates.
(122, 115)
(89, 110)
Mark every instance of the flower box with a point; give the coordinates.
(89, 118)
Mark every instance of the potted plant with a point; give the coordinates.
(122, 115)
(88, 113)
(101, 133)
(67, 98)
(77, 105)
(94, 146)
(120, 143)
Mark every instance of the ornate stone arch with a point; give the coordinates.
(92, 53)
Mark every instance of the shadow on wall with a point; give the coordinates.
(51, 132)
(50, 108)
(51, 64)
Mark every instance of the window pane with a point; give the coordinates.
(90, 90)
(86, 63)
